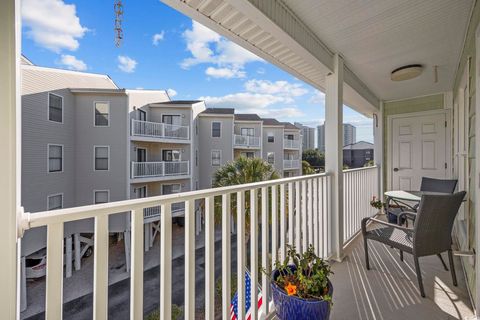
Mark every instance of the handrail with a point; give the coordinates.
(359, 169)
(42, 218)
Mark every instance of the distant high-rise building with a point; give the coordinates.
(349, 135)
(308, 136)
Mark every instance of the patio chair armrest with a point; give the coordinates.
(365, 220)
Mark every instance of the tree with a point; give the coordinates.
(244, 170)
(314, 157)
(241, 171)
(307, 168)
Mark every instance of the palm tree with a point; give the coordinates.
(244, 170)
(241, 171)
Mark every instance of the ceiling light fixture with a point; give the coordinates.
(406, 72)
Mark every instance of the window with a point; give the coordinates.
(247, 132)
(102, 114)
(289, 136)
(216, 157)
(271, 157)
(270, 137)
(196, 158)
(247, 154)
(142, 115)
(101, 196)
(171, 155)
(55, 158)
(141, 192)
(55, 108)
(102, 155)
(171, 188)
(55, 201)
(216, 129)
(172, 119)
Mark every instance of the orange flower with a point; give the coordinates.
(291, 289)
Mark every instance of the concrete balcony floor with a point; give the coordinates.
(389, 289)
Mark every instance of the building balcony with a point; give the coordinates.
(291, 144)
(153, 131)
(291, 164)
(302, 218)
(160, 169)
(246, 142)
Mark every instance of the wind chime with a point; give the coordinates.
(118, 8)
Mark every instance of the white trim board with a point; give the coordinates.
(448, 140)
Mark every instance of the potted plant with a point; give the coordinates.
(301, 287)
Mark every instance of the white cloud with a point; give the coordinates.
(261, 104)
(52, 24)
(171, 92)
(208, 47)
(281, 88)
(318, 97)
(157, 37)
(261, 71)
(126, 64)
(72, 63)
(227, 73)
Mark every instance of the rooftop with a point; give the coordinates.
(360, 145)
(247, 117)
(271, 122)
(219, 111)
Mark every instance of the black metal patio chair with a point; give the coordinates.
(431, 234)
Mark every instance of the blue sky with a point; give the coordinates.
(163, 49)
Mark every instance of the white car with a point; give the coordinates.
(36, 263)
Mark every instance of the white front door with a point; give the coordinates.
(418, 150)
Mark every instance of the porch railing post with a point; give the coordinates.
(334, 152)
(10, 27)
(378, 148)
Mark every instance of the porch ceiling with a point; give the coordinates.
(374, 37)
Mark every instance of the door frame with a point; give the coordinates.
(146, 153)
(448, 139)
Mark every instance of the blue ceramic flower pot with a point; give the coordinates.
(292, 307)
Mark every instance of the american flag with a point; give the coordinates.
(234, 304)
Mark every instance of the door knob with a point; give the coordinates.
(395, 169)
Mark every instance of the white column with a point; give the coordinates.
(476, 178)
(334, 152)
(10, 145)
(77, 249)
(378, 146)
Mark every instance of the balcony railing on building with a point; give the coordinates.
(291, 164)
(293, 211)
(152, 214)
(160, 169)
(291, 144)
(159, 130)
(246, 141)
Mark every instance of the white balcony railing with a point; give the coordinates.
(159, 130)
(359, 185)
(153, 213)
(159, 169)
(246, 141)
(290, 211)
(291, 144)
(291, 164)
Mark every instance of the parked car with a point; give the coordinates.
(36, 263)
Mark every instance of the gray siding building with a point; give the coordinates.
(358, 154)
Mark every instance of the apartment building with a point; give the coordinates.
(308, 136)
(101, 143)
(349, 135)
